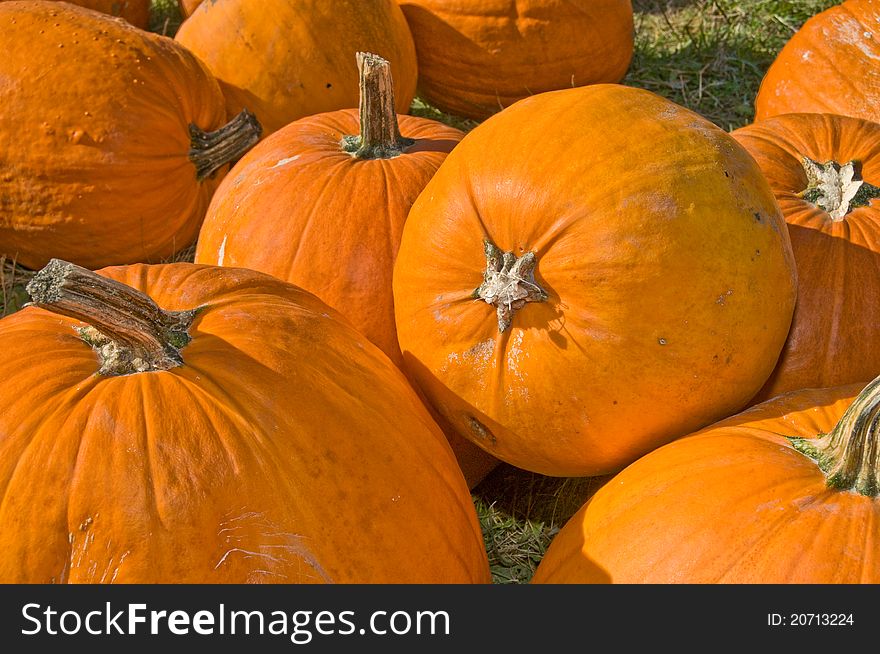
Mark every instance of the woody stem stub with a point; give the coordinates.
(380, 133)
(849, 454)
(127, 329)
(508, 283)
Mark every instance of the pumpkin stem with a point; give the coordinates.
(850, 454)
(210, 151)
(127, 329)
(380, 132)
(508, 283)
(837, 189)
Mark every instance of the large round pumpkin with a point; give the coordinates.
(830, 65)
(591, 273)
(285, 59)
(478, 56)
(136, 12)
(783, 493)
(240, 431)
(321, 203)
(825, 172)
(110, 138)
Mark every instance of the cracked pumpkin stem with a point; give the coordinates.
(127, 329)
(380, 132)
(849, 454)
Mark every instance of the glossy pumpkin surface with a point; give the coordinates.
(830, 65)
(477, 56)
(284, 449)
(286, 59)
(735, 503)
(95, 138)
(570, 322)
(307, 208)
(835, 236)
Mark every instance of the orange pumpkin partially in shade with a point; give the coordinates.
(111, 153)
(322, 203)
(568, 310)
(136, 12)
(187, 7)
(784, 493)
(824, 170)
(476, 57)
(830, 65)
(193, 424)
(286, 59)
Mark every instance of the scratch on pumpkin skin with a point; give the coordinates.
(221, 254)
(286, 547)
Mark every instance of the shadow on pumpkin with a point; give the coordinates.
(520, 493)
(830, 342)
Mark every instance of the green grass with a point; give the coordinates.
(708, 55)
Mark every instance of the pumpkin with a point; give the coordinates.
(178, 423)
(569, 310)
(136, 12)
(286, 59)
(830, 65)
(824, 170)
(111, 152)
(784, 493)
(477, 56)
(187, 7)
(321, 203)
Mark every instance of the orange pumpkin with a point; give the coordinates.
(825, 172)
(187, 7)
(286, 59)
(478, 56)
(237, 431)
(828, 66)
(591, 273)
(112, 152)
(743, 501)
(136, 12)
(322, 202)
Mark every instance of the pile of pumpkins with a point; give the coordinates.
(593, 280)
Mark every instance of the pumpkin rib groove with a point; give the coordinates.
(151, 495)
(159, 470)
(220, 401)
(335, 176)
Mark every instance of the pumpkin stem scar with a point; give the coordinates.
(849, 454)
(837, 189)
(129, 331)
(210, 151)
(380, 132)
(508, 283)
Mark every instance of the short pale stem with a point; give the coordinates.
(380, 133)
(128, 329)
(836, 188)
(508, 283)
(210, 151)
(849, 455)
